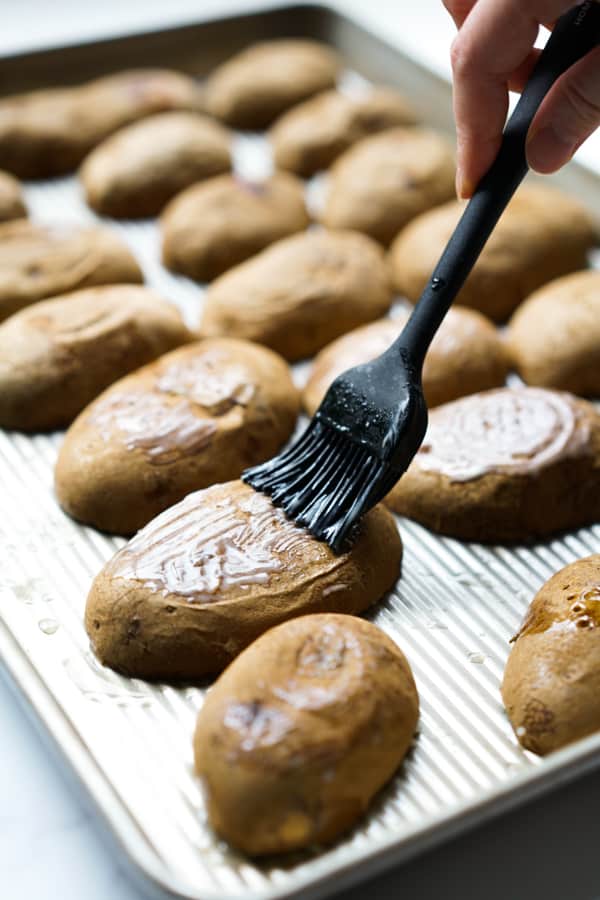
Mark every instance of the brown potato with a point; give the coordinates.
(310, 136)
(197, 416)
(302, 292)
(384, 181)
(255, 86)
(58, 354)
(467, 355)
(209, 575)
(12, 204)
(136, 171)
(298, 735)
(555, 335)
(48, 132)
(505, 465)
(543, 234)
(40, 261)
(215, 225)
(551, 686)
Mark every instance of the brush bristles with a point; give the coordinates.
(325, 482)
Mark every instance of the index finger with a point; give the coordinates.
(496, 39)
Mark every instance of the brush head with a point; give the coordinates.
(359, 443)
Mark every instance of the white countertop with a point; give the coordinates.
(51, 843)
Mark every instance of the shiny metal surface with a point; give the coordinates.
(453, 613)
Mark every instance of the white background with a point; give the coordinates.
(51, 844)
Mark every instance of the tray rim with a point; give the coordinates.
(562, 767)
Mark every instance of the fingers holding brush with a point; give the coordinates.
(493, 53)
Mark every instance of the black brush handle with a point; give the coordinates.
(574, 35)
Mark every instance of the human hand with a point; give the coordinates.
(494, 53)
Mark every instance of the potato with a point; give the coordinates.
(384, 181)
(256, 85)
(12, 205)
(135, 172)
(197, 416)
(506, 465)
(215, 225)
(467, 355)
(302, 730)
(310, 136)
(39, 261)
(551, 686)
(542, 234)
(48, 132)
(555, 335)
(301, 293)
(209, 575)
(58, 354)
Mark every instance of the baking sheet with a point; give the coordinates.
(453, 611)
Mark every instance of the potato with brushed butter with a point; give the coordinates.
(209, 575)
(551, 686)
(298, 735)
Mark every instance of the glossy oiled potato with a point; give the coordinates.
(542, 234)
(197, 416)
(467, 355)
(551, 686)
(256, 85)
(12, 205)
(215, 225)
(301, 293)
(384, 181)
(57, 355)
(48, 132)
(312, 135)
(39, 261)
(137, 170)
(209, 575)
(302, 730)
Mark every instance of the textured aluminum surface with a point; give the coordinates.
(453, 612)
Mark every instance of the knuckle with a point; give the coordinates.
(583, 102)
(461, 57)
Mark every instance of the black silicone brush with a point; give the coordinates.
(374, 417)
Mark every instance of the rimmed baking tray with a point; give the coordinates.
(453, 610)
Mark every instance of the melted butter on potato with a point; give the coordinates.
(302, 730)
(551, 686)
(212, 573)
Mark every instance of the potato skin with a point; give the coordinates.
(551, 685)
(503, 506)
(57, 355)
(48, 132)
(213, 226)
(384, 181)
(195, 417)
(255, 86)
(555, 335)
(146, 627)
(12, 204)
(301, 731)
(40, 261)
(311, 135)
(543, 234)
(467, 355)
(135, 172)
(301, 293)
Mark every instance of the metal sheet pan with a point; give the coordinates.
(452, 612)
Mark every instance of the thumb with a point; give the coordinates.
(568, 115)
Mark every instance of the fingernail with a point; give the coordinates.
(547, 150)
(464, 188)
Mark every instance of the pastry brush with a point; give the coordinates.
(373, 418)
